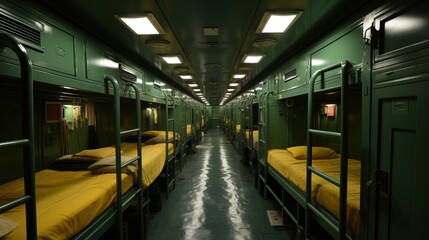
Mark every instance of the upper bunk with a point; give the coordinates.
(68, 56)
(293, 77)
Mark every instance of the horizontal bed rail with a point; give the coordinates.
(15, 143)
(324, 133)
(129, 132)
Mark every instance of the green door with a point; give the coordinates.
(398, 188)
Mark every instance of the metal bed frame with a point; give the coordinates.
(29, 198)
(123, 202)
(340, 226)
(170, 161)
(113, 214)
(335, 227)
(263, 141)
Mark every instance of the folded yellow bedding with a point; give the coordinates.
(66, 201)
(323, 192)
(153, 158)
(189, 129)
(255, 134)
(237, 129)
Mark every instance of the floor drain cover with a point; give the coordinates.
(275, 218)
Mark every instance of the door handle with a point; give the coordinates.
(382, 178)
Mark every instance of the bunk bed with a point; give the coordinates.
(288, 166)
(324, 186)
(250, 135)
(170, 161)
(74, 204)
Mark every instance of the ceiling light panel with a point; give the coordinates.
(233, 84)
(145, 24)
(172, 59)
(273, 22)
(186, 77)
(211, 31)
(252, 58)
(193, 85)
(239, 76)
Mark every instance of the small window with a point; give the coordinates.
(290, 75)
(126, 75)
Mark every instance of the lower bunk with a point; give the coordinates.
(250, 155)
(287, 171)
(77, 199)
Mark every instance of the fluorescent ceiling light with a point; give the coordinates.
(172, 59)
(276, 22)
(233, 84)
(158, 83)
(252, 58)
(186, 76)
(239, 76)
(142, 24)
(199, 94)
(197, 90)
(230, 89)
(193, 85)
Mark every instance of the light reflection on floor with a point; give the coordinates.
(215, 199)
(196, 216)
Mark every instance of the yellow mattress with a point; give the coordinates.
(189, 129)
(153, 159)
(255, 134)
(67, 201)
(237, 129)
(323, 192)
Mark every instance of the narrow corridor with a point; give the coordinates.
(214, 199)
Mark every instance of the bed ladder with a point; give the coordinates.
(119, 165)
(340, 226)
(169, 120)
(182, 141)
(27, 143)
(242, 144)
(250, 142)
(262, 144)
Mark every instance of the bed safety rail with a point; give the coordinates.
(242, 145)
(169, 121)
(184, 134)
(251, 150)
(340, 226)
(29, 198)
(262, 141)
(245, 131)
(120, 201)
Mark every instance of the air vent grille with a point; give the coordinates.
(20, 30)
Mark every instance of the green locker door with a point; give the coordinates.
(399, 193)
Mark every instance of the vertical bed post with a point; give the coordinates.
(169, 104)
(248, 144)
(263, 140)
(29, 197)
(117, 110)
(143, 227)
(343, 136)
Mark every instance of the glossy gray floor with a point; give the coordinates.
(214, 199)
